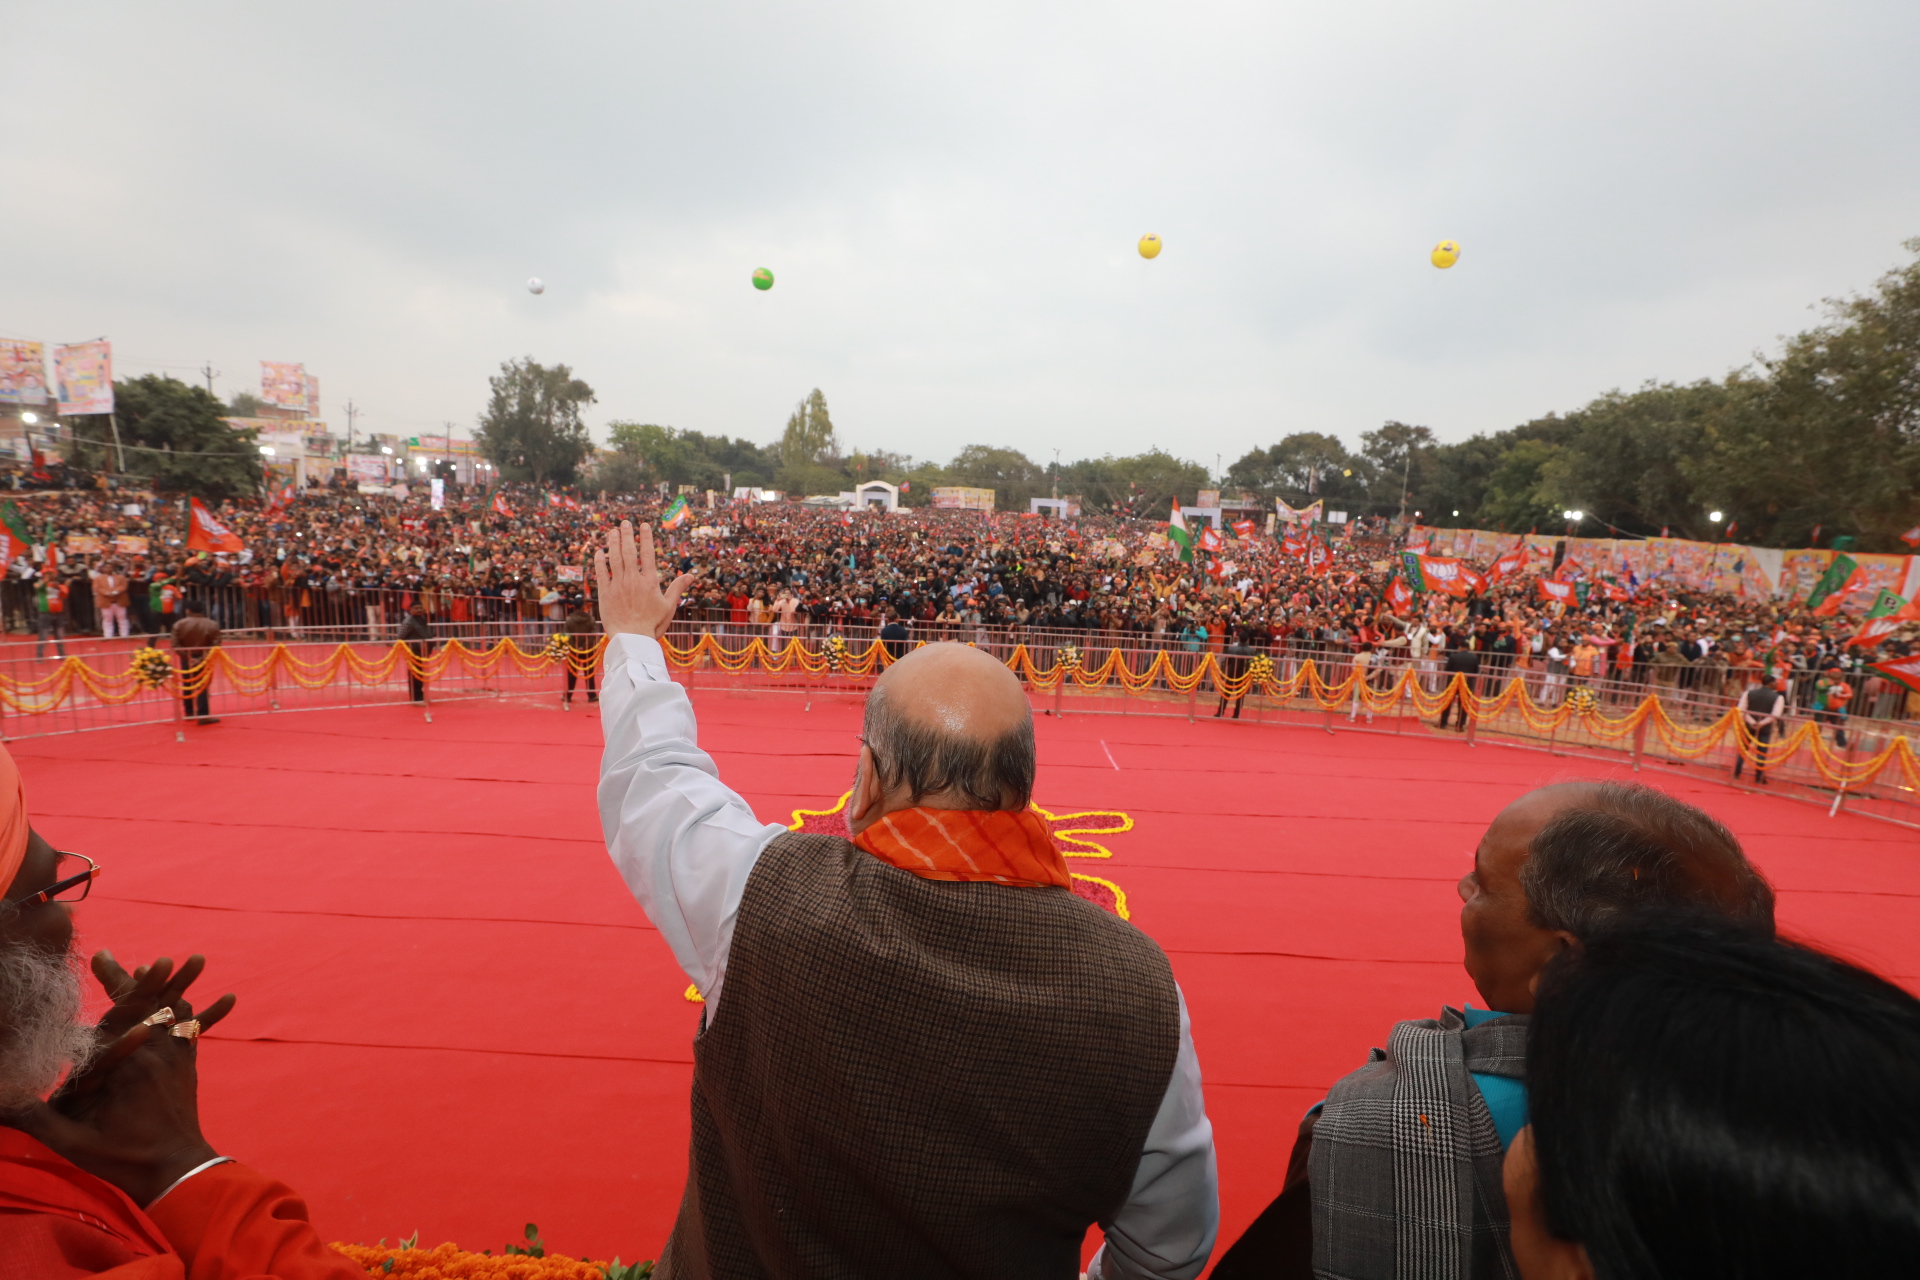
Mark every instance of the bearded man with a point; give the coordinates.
(112, 1177)
(920, 1054)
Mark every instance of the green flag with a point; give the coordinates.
(1885, 605)
(1410, 570)
(10, 518)
(1837, 575)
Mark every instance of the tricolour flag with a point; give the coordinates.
(204, 533)
(677, 514)
(1177, 532)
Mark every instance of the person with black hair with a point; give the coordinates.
(1398, 1171)
(1711, 1103)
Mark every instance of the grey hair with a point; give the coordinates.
(993, 774)
(42, 1036)
(1627, 847)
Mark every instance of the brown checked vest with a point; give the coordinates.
(917, 1078)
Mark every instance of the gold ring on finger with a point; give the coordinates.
(188, 1030)
(158, 1019)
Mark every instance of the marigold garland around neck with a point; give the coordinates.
(999, 846)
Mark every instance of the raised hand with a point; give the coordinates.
(631, 599)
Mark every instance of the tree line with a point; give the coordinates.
(1818, 440)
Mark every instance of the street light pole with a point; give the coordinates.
(1406, 472)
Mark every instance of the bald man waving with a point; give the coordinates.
(921, 1055)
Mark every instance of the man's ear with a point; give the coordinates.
(864, 804)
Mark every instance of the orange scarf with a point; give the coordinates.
(1003, 846)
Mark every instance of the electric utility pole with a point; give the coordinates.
(352, 413)
(1406, 471)
(208, 370)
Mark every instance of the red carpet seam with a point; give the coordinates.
(372, 915)
(450, 1048)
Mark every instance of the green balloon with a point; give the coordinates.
(763, 279)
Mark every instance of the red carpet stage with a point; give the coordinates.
(454, 1019)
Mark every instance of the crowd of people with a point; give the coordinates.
(340, 565)
(921, 1054)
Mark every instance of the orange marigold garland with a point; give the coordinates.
(407, 1261)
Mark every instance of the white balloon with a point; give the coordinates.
(536, 285)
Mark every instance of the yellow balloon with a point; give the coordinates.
(1149, 245)
(1445, 254)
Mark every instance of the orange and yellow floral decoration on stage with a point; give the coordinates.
(832, 662)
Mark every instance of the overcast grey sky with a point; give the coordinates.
(949, 196)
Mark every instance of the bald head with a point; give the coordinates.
(949, 726)
(956, 689)
(1609, 847)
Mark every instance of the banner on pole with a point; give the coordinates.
(23, 372)
(83, 377)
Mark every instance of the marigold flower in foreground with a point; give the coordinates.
(451, 1262)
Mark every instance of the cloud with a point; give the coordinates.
(949, 198)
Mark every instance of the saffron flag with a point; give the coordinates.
(1293, 545)
(1905, 670)
(1507, 565)
(500, 507)
(278, 500)
(1399, 594)
(1244, 529)
(1309, 514)
(1554, 589)
(1319, 556)
(1824, 599)
(204, 533)
(1440, 573)
(1177, 532)
(679, 513)
(1209, 540)
(1410, 570)
(1912, 536)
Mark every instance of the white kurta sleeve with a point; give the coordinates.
(682, 840)
(1166, 1229)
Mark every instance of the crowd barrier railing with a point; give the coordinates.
(1866, 764)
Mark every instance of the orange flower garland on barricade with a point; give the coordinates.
(835, 657)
